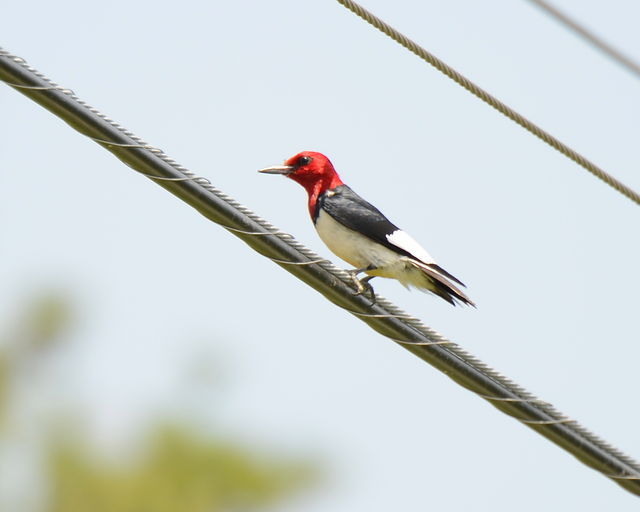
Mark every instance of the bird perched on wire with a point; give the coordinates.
(360, 234)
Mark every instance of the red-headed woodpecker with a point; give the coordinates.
(360, 234)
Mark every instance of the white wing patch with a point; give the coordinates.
(404, 241)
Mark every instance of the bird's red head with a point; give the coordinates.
(312, 170)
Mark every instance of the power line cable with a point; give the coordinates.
(335, 284)
(589, 36)
(491, 100)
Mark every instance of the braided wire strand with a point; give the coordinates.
(589, 36)
(491, 100)
(384, 317)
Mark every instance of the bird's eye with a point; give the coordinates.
(304, 160)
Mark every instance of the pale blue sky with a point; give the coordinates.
(549, 253)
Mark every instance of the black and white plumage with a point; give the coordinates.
(360, 234)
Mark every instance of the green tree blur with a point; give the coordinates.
(176, 469)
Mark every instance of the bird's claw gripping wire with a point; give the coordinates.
(362, 285)
(365, 288)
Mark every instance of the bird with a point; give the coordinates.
(357, 232)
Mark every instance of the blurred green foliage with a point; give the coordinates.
(43, 322)
(176, 469)
(4, 389)
(178, 472)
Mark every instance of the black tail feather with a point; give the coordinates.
(441, 286)
(451, 294)
(442, 271)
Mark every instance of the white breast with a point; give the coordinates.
(353, 247)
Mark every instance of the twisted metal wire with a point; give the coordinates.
(596, 41)
(334, 283)
(491, 100)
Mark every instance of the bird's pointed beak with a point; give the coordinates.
(277, 169)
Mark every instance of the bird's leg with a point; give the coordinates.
(366, 287)
(362, 285)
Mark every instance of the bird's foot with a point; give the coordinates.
(364, 288)
(362, 285)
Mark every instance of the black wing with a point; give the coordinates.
(353, 212)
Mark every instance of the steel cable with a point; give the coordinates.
(333, 283)
(491, 100)
(589, 36)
